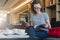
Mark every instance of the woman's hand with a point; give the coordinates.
(27, 24)
(47, 26)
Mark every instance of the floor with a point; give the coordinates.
(52, 39)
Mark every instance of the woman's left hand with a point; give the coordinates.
(47, 26)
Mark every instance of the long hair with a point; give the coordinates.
(36, 2)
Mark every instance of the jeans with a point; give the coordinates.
(40, 34)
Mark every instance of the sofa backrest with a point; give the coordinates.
(55, 23)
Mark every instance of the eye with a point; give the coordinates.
(36, 7)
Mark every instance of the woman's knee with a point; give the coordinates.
(31, 29)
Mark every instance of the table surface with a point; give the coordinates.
(20, 37)
(14, 36)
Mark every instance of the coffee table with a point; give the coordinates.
(16, 37)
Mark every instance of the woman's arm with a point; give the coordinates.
(47, 21)
(48, 25)
(29, 24)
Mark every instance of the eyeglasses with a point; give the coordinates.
(36, 8)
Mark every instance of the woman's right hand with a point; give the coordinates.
(27, 24)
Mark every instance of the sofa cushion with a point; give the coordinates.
(55, 32)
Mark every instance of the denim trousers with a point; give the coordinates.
(40, 34)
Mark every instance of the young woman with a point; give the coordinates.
(40, 21)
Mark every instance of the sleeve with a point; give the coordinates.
(46, 16)
(31, 18)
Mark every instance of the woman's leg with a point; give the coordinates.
(31, 32)
(42, 34)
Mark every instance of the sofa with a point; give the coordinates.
(54, 32)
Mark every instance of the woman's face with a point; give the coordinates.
(37, 7)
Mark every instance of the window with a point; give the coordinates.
(23, 17)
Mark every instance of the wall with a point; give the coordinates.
(3, 19)
(14, 18)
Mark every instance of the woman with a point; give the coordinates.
(40, 21)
